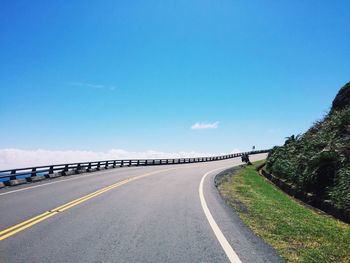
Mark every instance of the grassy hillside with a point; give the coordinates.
(319, 160)
(298, 233)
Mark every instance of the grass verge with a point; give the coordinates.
(297, 232)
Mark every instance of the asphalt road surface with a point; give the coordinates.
(169, 213)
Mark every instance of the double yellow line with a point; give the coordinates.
(39, 218)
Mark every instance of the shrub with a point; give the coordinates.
(319, 160)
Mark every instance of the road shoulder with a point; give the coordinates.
(248, 246)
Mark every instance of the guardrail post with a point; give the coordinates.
(106, 165)
(114, 164)
(89, 167)
(138, 163)
(51, 169)
(13, 175)
(153, 162)
(129, 163)
(98, 165)
(33, 172)
(78, 166)
(122, 163)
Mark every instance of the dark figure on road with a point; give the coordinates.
(245, 158)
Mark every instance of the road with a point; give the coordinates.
(132, 214)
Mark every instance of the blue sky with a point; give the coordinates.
(137, 75)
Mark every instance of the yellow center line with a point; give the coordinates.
(23, 223)
(41, 217)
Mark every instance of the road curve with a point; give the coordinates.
(133, 214)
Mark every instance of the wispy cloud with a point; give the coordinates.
(92, 85)
(202, 125)
(16, 158)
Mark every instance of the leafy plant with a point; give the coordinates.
(319, 160)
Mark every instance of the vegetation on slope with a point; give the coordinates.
(297, 232)
(319, 160)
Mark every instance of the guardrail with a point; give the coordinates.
(12, 177)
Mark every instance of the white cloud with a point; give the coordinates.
(91, 85)
(236, 151)
(202, 125)
(17, 158)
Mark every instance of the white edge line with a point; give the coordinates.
(230, 253)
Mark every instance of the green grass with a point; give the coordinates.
(298, 233)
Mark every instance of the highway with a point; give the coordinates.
(168, 213)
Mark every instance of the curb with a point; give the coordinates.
(16, 182)
(34, 179)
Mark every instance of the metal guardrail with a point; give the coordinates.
(29, 173)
